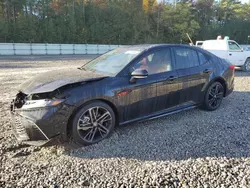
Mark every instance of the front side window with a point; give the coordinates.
(233, 46)
(112, 62)
(156, 62)
(186, 58)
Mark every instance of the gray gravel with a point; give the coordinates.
(190, 149)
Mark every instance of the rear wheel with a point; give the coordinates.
(214, 96)
(246, 66)
(93, 123)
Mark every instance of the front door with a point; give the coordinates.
(235, 54)
(168, 84)
(152, 94)
(137, 99)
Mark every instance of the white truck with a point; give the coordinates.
(229, 50)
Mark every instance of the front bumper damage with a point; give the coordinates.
(38, 126)
(26, 131)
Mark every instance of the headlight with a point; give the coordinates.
(41, 103)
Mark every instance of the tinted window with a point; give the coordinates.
(203, 59)
(156, 62)
(186, 58)
(233, 46)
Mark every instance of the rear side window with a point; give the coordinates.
(203, 59)
(185, 58)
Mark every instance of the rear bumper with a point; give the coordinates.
(228, 92)
(40, 125)
(230, 88)
(238, 64)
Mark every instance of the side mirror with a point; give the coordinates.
(138, 74)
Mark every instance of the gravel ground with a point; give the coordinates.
(190, 149)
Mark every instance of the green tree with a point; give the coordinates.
(176, 22)
(121, 22)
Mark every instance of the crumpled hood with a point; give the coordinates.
(47, 82)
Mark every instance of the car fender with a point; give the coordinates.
(218, 78)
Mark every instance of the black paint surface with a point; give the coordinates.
(146, 98)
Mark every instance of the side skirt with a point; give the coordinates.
(162, 113)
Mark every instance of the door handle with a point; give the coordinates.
(207, 71)
(172, 78)
(230, 54)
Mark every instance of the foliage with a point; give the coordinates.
(121, 21)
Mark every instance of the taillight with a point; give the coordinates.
(232, 67)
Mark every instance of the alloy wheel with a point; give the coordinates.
(215, 96)
(94, 124)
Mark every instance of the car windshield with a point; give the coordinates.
(112, 62)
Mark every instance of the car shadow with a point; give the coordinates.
(191, 134)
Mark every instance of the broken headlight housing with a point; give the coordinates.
(39, 100)
(41, 103)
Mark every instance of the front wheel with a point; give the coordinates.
(246, 66)
(214, 96)
(93, 123)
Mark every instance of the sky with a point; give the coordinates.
(245, 1)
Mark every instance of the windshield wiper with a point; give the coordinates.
(81, 68)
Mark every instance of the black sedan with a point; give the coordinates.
(124, 85)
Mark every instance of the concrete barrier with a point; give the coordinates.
(53, 49)
(56, 49)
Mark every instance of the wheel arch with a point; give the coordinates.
(221, 80)
(68, 128)
(247, 58)
(244, 66)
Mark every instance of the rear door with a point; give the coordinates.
(190, 73)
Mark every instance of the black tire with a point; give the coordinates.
(246, 66)
(213, 96)
(84, 127)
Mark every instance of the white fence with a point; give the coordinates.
(53, 49)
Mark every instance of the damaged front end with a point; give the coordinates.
(37, 118)
(42, 107)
